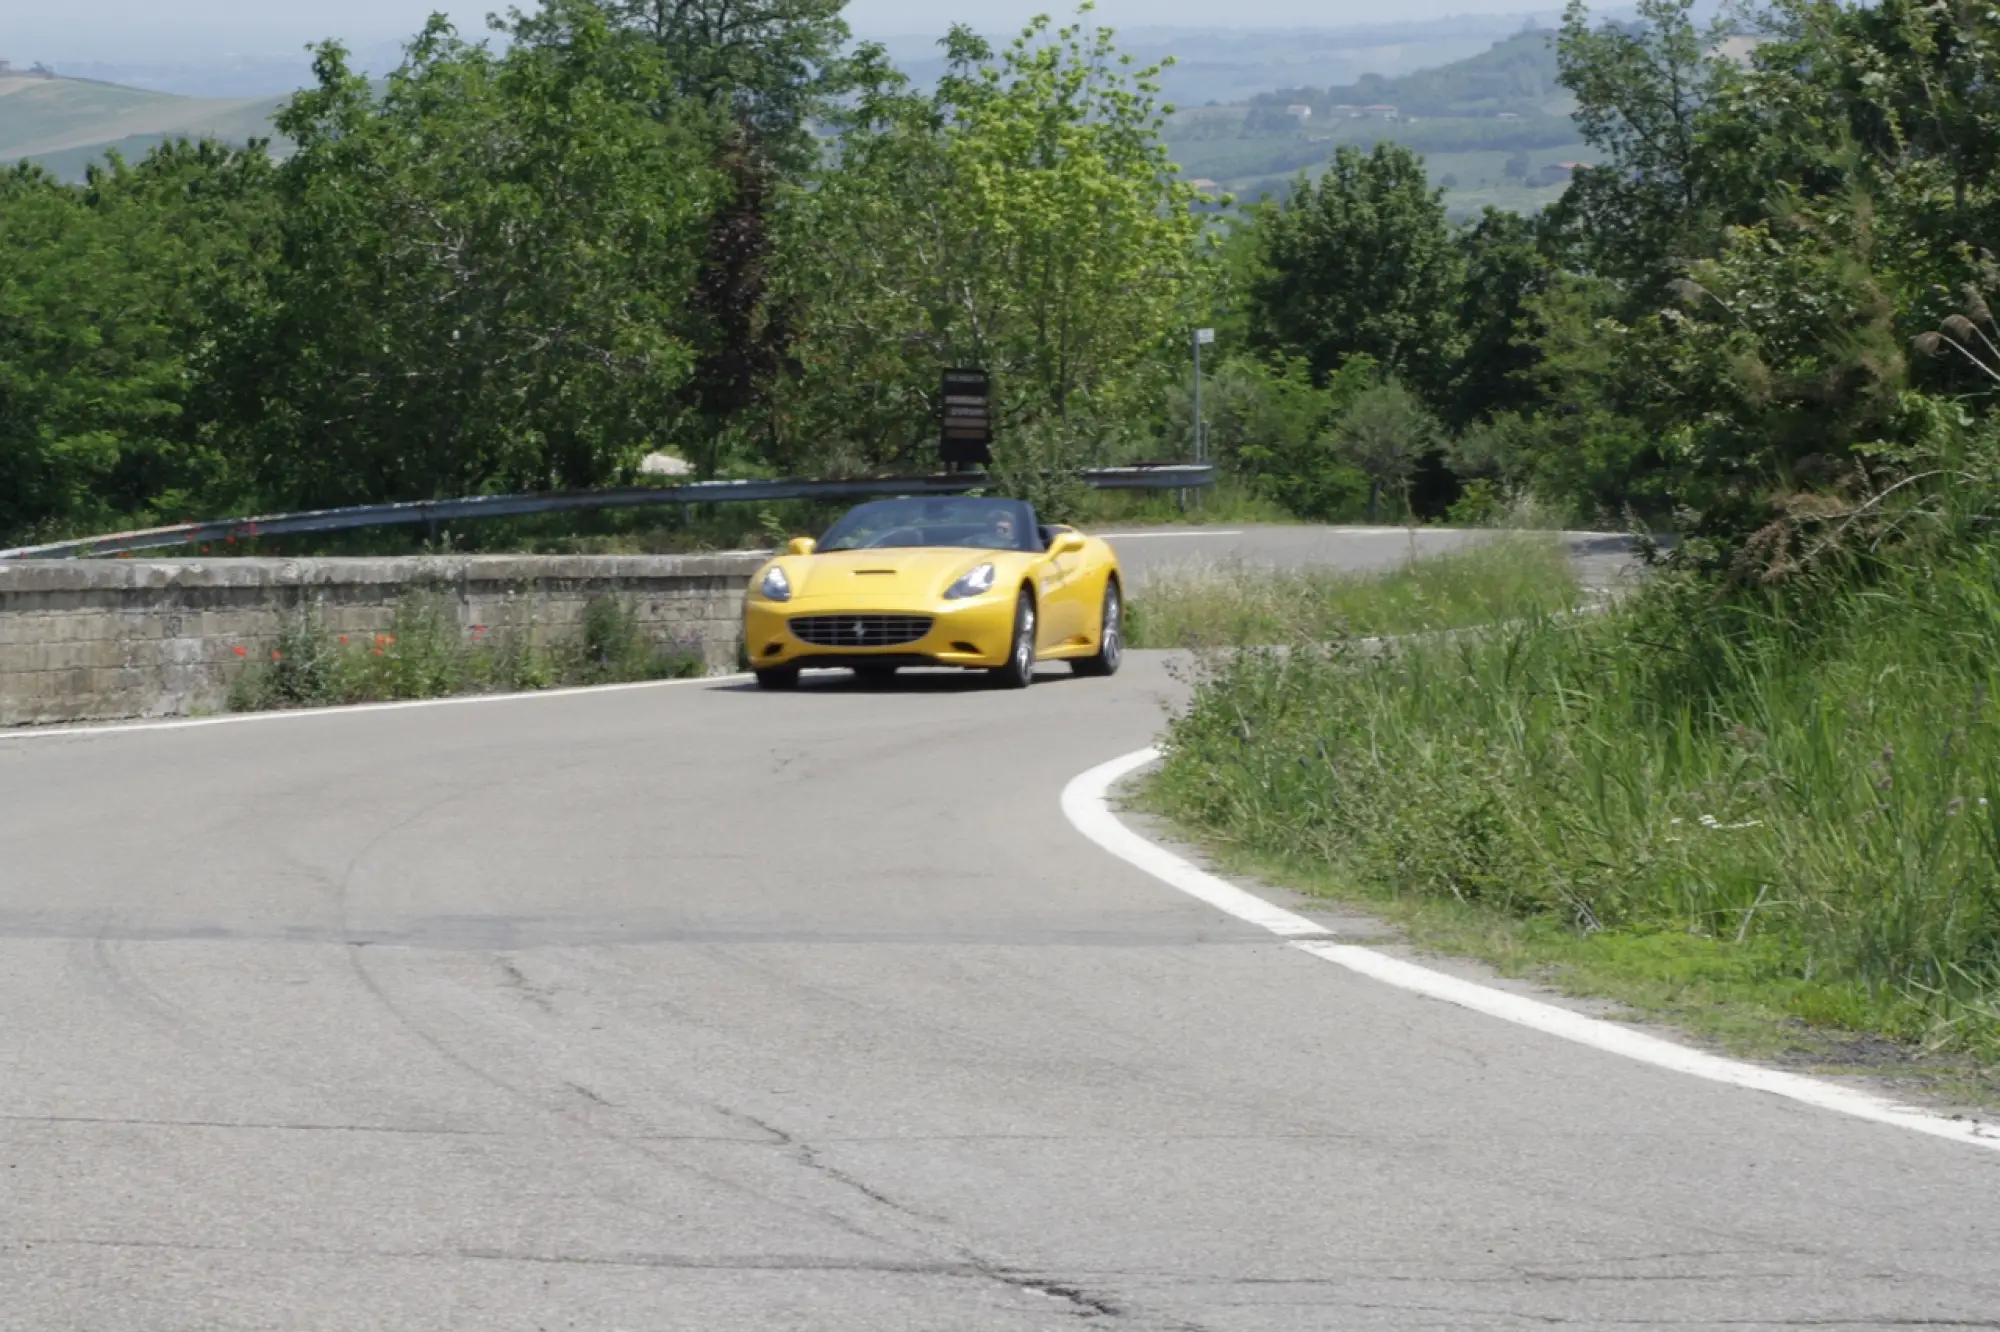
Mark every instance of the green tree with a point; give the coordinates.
(112, 299)
(485, 270)
(1641, 90)
(1023, 218)
(770, 66)
(1505, 268)
(1363, 262)
(764, 71)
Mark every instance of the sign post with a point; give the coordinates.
(1202, 338)
(967, 432)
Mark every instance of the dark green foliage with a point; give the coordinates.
(1362, 263)
(1271, 424)
(112, 298)
(1505, 269)
(482, 271)
(768, 66)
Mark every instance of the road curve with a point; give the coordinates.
(698, 1008)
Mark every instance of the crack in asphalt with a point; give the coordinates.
(808, 1156)
(1081, 1303)
(517, 980)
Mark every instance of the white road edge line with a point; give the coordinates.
(1087, 804)
(347, 709)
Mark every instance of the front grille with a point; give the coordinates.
(860, 631)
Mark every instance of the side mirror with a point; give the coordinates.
(799, 546)
(1068, 543)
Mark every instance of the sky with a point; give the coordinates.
(149, 30)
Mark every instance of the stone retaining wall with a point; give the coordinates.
(99, 639)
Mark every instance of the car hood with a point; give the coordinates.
(871, 575)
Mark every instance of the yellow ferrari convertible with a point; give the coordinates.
(949, 581)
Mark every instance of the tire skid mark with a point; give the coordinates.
(895, 1016)
(355, 951)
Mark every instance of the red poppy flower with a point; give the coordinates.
(241, 651)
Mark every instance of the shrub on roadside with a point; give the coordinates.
(426, 654)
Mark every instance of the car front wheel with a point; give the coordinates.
(1019, 672)
(1110, 637)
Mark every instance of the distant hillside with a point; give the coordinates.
(1515, 77)
(1493, 128)
(1235, 65)
(55, 120)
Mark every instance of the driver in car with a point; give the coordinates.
(1003, 532)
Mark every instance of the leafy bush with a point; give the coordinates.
(1041, 463)
(1268, 422)
(1383, 434)
(426, 654)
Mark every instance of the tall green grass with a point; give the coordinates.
(1801, 787)
(1225, 605)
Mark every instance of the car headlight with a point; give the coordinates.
(972, 584)
(776, 586)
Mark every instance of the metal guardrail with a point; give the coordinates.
(1151, 476)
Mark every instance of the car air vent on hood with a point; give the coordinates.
(865, 573)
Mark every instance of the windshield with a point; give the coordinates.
(979, 524)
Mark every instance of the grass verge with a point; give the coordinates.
(425, 653)
(1503, 578)
(1774, 820)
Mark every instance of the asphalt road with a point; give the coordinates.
(693, 1007)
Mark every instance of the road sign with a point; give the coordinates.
(967, 435)
(1204, 336)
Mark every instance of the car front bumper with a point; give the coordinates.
(977, 632)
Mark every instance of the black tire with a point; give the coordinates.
(1110, 637)
(875, 676)
(1019, 672)
(778, 677)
